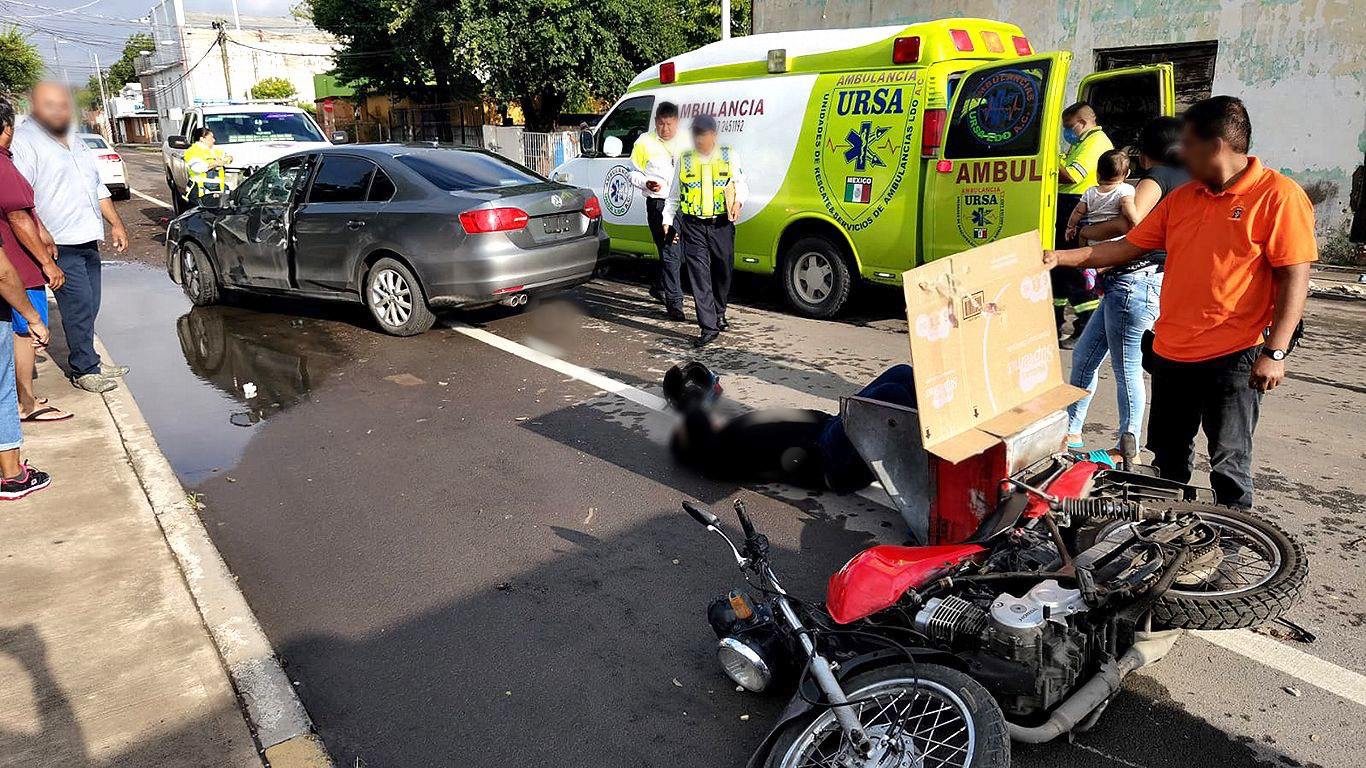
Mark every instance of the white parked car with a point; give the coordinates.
(252, 134)
(112, 172)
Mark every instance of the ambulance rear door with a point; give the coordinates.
(997, 171)
(1126, 99)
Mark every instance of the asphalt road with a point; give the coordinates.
(467, 558)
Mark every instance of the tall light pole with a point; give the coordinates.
(104, 98)
(725, 19)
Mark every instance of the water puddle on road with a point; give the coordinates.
(207, 377)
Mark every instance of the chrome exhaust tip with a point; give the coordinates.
(515, 300)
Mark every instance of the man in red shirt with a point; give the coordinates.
(32, 255)
(1239, 240)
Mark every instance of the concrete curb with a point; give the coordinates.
(272, 708)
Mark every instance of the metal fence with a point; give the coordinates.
(540, 152)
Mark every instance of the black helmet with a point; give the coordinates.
(691, 385)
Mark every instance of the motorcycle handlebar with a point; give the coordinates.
(700, 515)
(745, 522)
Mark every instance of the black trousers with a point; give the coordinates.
(669, 283)
(708, 246)
(1212, 395)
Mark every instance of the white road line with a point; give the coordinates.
(586, 375)
(149, 198)
(1292, 661)
(1263, 650)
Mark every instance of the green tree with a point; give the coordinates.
(273, 88)
(88, 96)
(123, 71)
(20, 65)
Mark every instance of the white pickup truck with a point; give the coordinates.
(251, 134)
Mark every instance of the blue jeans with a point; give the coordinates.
(845, 471)
(1116, 331)
(79, 302)
(10, 435)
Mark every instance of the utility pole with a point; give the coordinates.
(220, 25)
(57, 60)
(104, 97)
(725, 19)
(236, 19)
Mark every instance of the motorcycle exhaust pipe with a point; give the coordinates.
(1147, 649)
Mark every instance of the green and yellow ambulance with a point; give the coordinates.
(869, 151)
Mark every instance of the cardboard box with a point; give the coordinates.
(984, 346)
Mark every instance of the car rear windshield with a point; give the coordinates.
(94, 142)
(261, 126)
(460, 170)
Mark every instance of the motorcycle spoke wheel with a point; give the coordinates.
(912, 723)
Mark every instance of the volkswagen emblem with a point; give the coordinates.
(557, 201)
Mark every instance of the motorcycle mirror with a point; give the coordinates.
(701, 515)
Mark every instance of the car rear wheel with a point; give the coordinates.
(197, 276)
(816, 278)
(395, 299)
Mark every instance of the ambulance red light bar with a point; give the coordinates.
(932, 132)
(668, 72)
(484, 220)
(906, 50)
(961, 39)
(1022, 45)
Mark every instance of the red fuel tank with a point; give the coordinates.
(876, 578)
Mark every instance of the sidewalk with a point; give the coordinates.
(104, 658)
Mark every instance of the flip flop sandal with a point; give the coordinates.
(1077, 446)
(1101, 457)
(38, 415)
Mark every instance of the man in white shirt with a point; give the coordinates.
(654, 157)
(70, 200)
(700, 213)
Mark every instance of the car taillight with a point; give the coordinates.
(932, 132)
(592, 208)
(113, 157)
(961, 39)
(993, 41)
(906, 50)
(1022, 45)
(483, 220)
(668, 72)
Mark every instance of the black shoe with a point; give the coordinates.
(706, 338)
(676, 315)
(723, 323)
(17, 488)
(657, 294)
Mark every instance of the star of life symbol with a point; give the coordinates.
(860, 151)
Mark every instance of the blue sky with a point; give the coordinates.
(103, 26)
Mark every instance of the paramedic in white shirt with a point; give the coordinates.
(654, 156)
(700, 213)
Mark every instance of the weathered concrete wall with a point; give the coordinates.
(1300, 65)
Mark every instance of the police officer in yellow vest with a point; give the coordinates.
(700, 213)
(204, 164)
(655, 156)
(1076, 174)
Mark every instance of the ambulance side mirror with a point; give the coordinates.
(177, 142)
(611, 146)
(587, 145)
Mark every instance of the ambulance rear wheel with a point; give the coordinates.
(816, 279)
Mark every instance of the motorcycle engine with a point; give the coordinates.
(1027, 650)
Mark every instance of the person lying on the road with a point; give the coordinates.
(799, 446)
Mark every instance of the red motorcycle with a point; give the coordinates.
(1016, 620)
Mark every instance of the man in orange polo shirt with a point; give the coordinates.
(1239, 240)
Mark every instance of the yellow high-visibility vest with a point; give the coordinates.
(198, 158)
(702, 184)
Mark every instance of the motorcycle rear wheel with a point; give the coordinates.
(947, 717)
(1259, 574)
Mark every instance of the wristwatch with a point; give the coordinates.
(1274, 354)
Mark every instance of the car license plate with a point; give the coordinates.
(555, 225)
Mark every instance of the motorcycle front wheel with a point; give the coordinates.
(915, 715)
(1250, 572)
